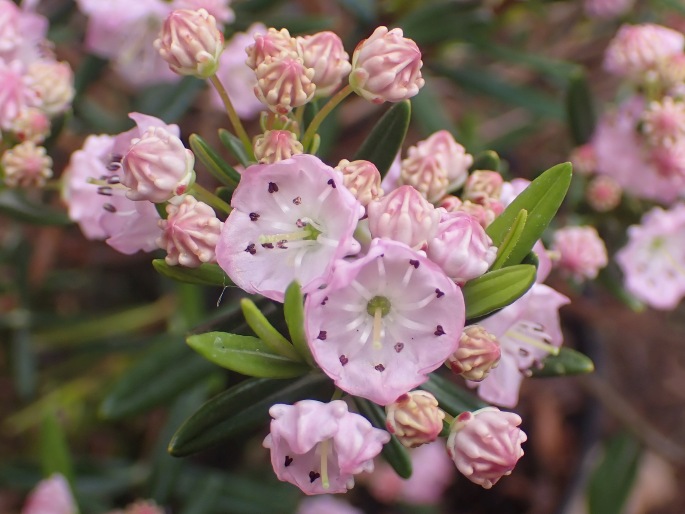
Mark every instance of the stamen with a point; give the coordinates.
(532, 335)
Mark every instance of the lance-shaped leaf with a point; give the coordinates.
(54, 451)
(566, 362)
(266, 332)
(219, 168)
(16, 206)
(205, 275)
(242, 408)
(580, 109)
(385, 139)
(497, 289)
(510, 240)
(245, 354)
(541, 199)
(235, 146)
(486, 160)
(293, 309)
(453, 398)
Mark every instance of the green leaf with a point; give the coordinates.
(507, 247)
(486, 160)
(394, 452)
(385, 139)
(580, 110)
(541, 199)
(169, 101)
(243, 408)
(54, 451)
(235, 146)
(566, 362)
(497, 289)
(219, 168)
(266, 332)
(206, 274)
(15, 205)
(437, 22)
(293, 310)
(429, 112)
(452, 398)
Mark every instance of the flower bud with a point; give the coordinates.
(669, 160)
(583, 159)
(51, 495)
(483, 185)
(485, 445)
(32, 124)
(53, 82)
(324, 52)
(414, 418)
(362, 178)
(582, 251)
(671, 72)
(273, 44)
(386, 67)
(157, 167)
(405, 216)
(603, 193)
(191, 43)
(664, 122)
(276, 145)
(484, 213)
(284, 83)
(478, 353)
(26, 165)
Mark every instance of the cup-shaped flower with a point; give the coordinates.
(290, 221)
(386, 67)
(284, 82)
(324, 52)
(26, 165)
(603, 193)
(191, 43)
(53, 82)
(319, 447)
(414, 418)
(478, 353)
(461, 247)
(483, 185)
(157, 167)
(51, 495)
(485, 445)
(403, 215)
(273, 44)
(582, 252)
(384, 321)
(276, 145)
(362, 178)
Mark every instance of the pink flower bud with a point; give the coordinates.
(414, 418)
(484, 213)
(461, 247)
(53, 82)
(583, 159)
(191, 43)
(603, 193)
(403, 215)
(276, 145)
(582, 251)
(483, 185)
(485, 445)
(362, 178)
(664, 122)
(190, 233)
(32, 124)
(51, 495)
(478, 353)
(157, 167)
(26, 165)
(273, 44)
(284, 83)
(324, 52)
(386, 67)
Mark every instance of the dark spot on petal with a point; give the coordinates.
(399, 347)
(273, 187)
(109, 207)
(288, 461)
(254, 216)
(322, 335)
(439, 293)
(524, 353)
(251, 249)
(297, 200)
(313, 475)
(343, 360)
(439, 331)
(105, 191)
(267, 245)
(331, 183)
(379, 367)
(414, 263)
(323, 302)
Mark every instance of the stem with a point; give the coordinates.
(209, 198)
(321, 115)
(232, 115)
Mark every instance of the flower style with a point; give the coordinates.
(324, 52)
(653, 261)
(276, 145)
(290, 221)
(415, 418)
(478, 353)
(51, 495)
(384, 321)
(362, 178)
(319, 447)
(485, 445)
(582, 251)
(26, 165)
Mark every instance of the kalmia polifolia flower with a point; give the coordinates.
(52, 496)
(582, 252)
(362, 178)
(461, 247)
(157, 166)
(653, 261)
(26, 165)
(17, 93)
(478, 353)
(319, 447)
(290, 221)
(583, 159)
(405, 216)
(273, 44)
(414, 418)
(485, 445)
(218, 8)
(669, 161)
(484, 213)
(53, 82)
(606, 9)
(22, 31)
(483, 185)
(386, 67)
(603, 193)
(327, 504)
(190, 233)
(276, 145)
(384, 321)
(664, 122)
(283, 83)
(325, 54)
(32, 124)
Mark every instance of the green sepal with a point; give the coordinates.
(580, 110)
(507, 247)
(218, 167)
(497, 289)
(453, 399)
(566, 362)
(293, 309)
(541, 199)
(246, 355)
(234, 145)
(266, 332)
(15, 205)
(243, 408)
(205, 275)
(393, 452)
(486, 160)
(385, 139)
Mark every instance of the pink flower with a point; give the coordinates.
(17, 94)
(276, 145)
(290, 221)
(22, 32)
(51, 496)
(362, 178)
(283, 83)
(26, 165)
(478, 353)
(53, 83)
(607, 8)
(583, 159)
(32, 124)
(319, 447)
(326, 504)
(603, 193)
(664, 122)
(324, 52)
(486, 444)
(384, 321)
(274, 44)
(653, 261)
(482, 186)
(218, 8)
(582, 251)
(415, 418)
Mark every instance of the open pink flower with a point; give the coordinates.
(384, 321)
(51, 496)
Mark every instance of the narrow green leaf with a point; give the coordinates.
(266, 332)
(242, 408)
(205, 498)
(235, 146)
(206, 274)
(293, 309)
(394, 453)
(453, 398)
(580, 110)
(566, 362)
(486, 160)
(613, 480)
(54, 450)
(16, 206)
(385, 139)
(510, 240)
(541, 199)
(497, 289)
(218, 167)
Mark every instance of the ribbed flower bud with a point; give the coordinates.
(414, 418)
(157, 167)
(324, 52)
(53, 82)
(32, 124)
(485, 445)
(362, 178)
(603, 193)
(276, 145)
(190, 233)
(483, 185)
(484, 213)
(273, 44)
(386, 67)
(478, 353)
(26, 165)
(191, 43)
(403, 215)
(664, 122)
(284, 83)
